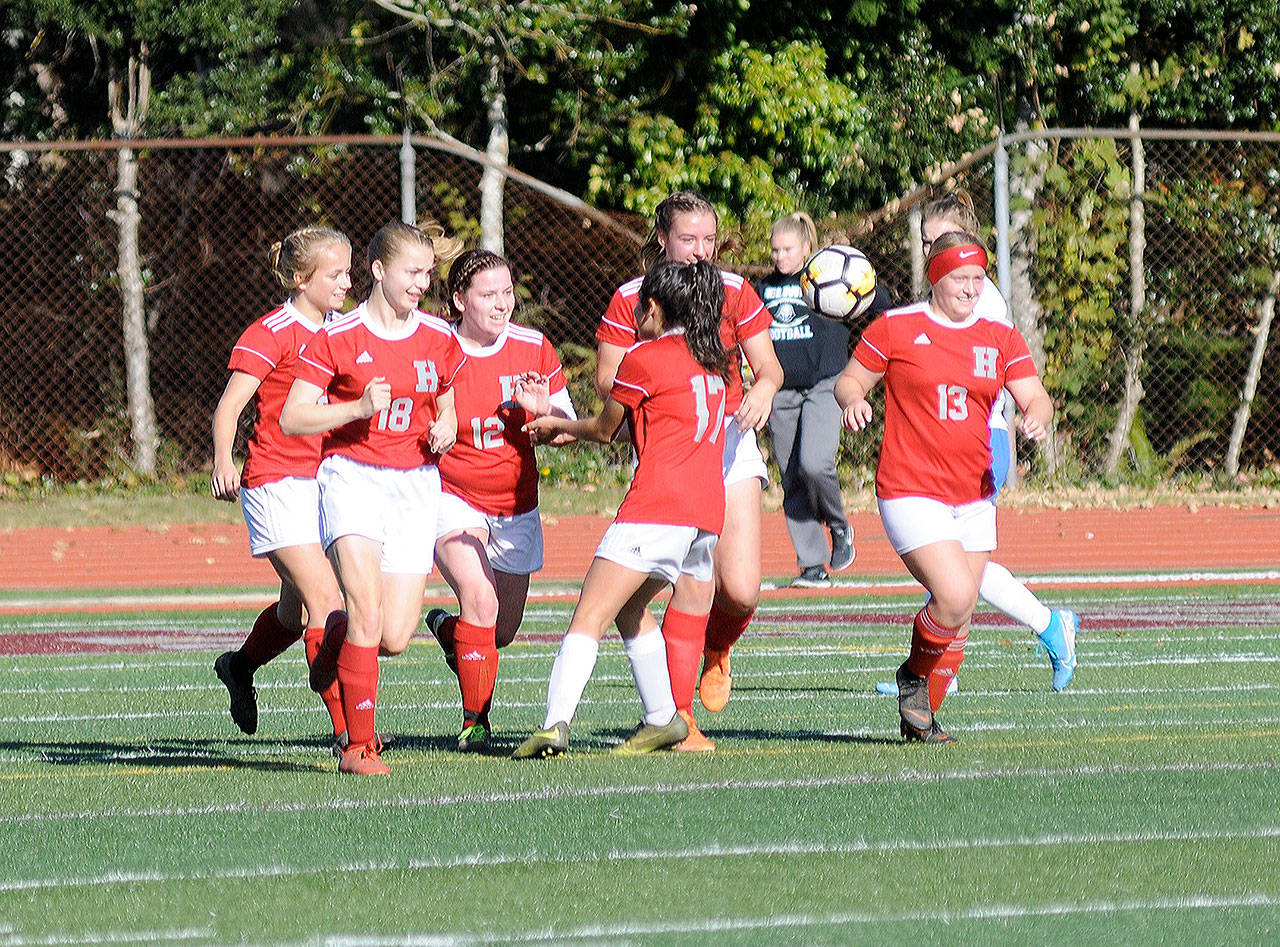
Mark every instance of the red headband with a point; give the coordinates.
(964, 254)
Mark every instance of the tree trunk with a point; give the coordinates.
(1232, 464)
(128, 98)
(492, 180)
(137, 354)
(1135, 357)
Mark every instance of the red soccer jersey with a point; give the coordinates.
(744, 316)
(267, 350)
(677, 411)
(419, 363)
(492, 466)
(940, 379)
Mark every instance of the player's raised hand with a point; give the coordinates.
(533, 393)
(376, 397)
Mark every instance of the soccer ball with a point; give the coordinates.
(838, 282)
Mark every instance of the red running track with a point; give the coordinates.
(1032, 541)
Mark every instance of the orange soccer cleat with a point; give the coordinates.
(362, 760)
(696, 741)
(716, 681)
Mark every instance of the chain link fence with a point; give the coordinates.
(1142, 267)
(208, 213)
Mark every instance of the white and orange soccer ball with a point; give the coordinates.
(838, 282)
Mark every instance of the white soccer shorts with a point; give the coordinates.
(281, 513)
(514, 545)
(912, 522)
(742, 457)
(660, 549)
(397, 508)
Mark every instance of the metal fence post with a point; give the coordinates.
(1002, 214)
(408, 200)
(1004, 276)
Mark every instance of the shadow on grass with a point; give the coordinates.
(717, 734)
(167, 753)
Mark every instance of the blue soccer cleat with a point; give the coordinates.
(1059, 640)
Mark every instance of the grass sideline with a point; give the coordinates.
(1137, 806)
(187, 500)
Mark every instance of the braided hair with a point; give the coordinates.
(464, 271)
(691, 296)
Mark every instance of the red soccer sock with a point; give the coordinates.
(683, 635)
(448, 633)
(946, 668)
(723, 629)
(267, 640)
(331, 695)
(477, 667)
(929, 641)
(358, 682)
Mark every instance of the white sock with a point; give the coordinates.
(574, 663)
(648, 656)
(1000, 589)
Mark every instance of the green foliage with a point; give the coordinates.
(1080, 273)
(1198, 63)
(771, 129)
(1080, 263)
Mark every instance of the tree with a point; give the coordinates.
(770, 126)
(491, 46)
(129, 38)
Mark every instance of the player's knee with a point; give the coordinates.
(479, 607)
(953, 604)
(738, 598)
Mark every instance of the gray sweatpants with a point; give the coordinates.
(805, 429)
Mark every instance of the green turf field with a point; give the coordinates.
(1138, 807)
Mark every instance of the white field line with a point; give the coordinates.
(780, 922)
(283, 686)
(552, 793)
(591, 700)
(1090, 579)
(615, 856)
(11, 939)
(291, 748)
(391, 683)
(423, 653)
(251, 598)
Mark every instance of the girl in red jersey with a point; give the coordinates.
(684, 231)
(673, 391)
(943, 368)
(277, 488)
(377, 383)
(490, 529)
